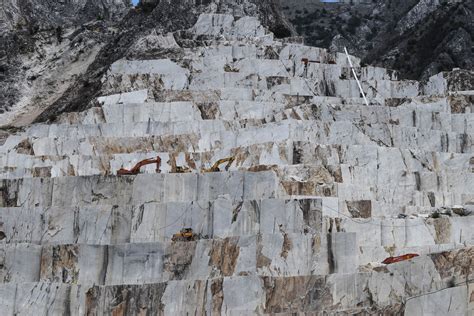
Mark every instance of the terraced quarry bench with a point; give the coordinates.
(323, 188)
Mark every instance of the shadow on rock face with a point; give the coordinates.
(156, 14)
(281, 31)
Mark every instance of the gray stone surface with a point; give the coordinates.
(323, 188)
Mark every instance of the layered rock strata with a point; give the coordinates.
(322, 189)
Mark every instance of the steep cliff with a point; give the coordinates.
(321, 187)
(45, 46)
(54, 54)
(46, 14)
(419, 38)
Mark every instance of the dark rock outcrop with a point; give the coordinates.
(53, 54)
(419, 38)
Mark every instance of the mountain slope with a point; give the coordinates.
(262, 186)
(44, 46)
(417, 37)
(58, 66)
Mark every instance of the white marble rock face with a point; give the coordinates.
(322, 188)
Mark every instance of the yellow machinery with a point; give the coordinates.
(186, 234)
(215, 167)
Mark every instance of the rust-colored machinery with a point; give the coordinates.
(136, 169)
(408, 256)
(215, 167)
(306, 61)
(186, 234)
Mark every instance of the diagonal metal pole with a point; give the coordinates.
(355, 75)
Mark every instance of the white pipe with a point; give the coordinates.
(355, 75)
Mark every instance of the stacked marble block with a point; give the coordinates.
(300, 222)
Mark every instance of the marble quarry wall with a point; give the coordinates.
(322, 188)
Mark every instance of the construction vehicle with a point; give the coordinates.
(178, 169)
(186, 234)
(215, 167)
(391, 260)
(306, 62)
(181, 169)
(136, 169)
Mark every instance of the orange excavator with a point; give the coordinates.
(391, 260)
(136, 169)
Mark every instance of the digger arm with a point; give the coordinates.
(137, 167)
(145, 162)
(306, 61)
(215, 167)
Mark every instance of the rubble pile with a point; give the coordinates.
(320, 188)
